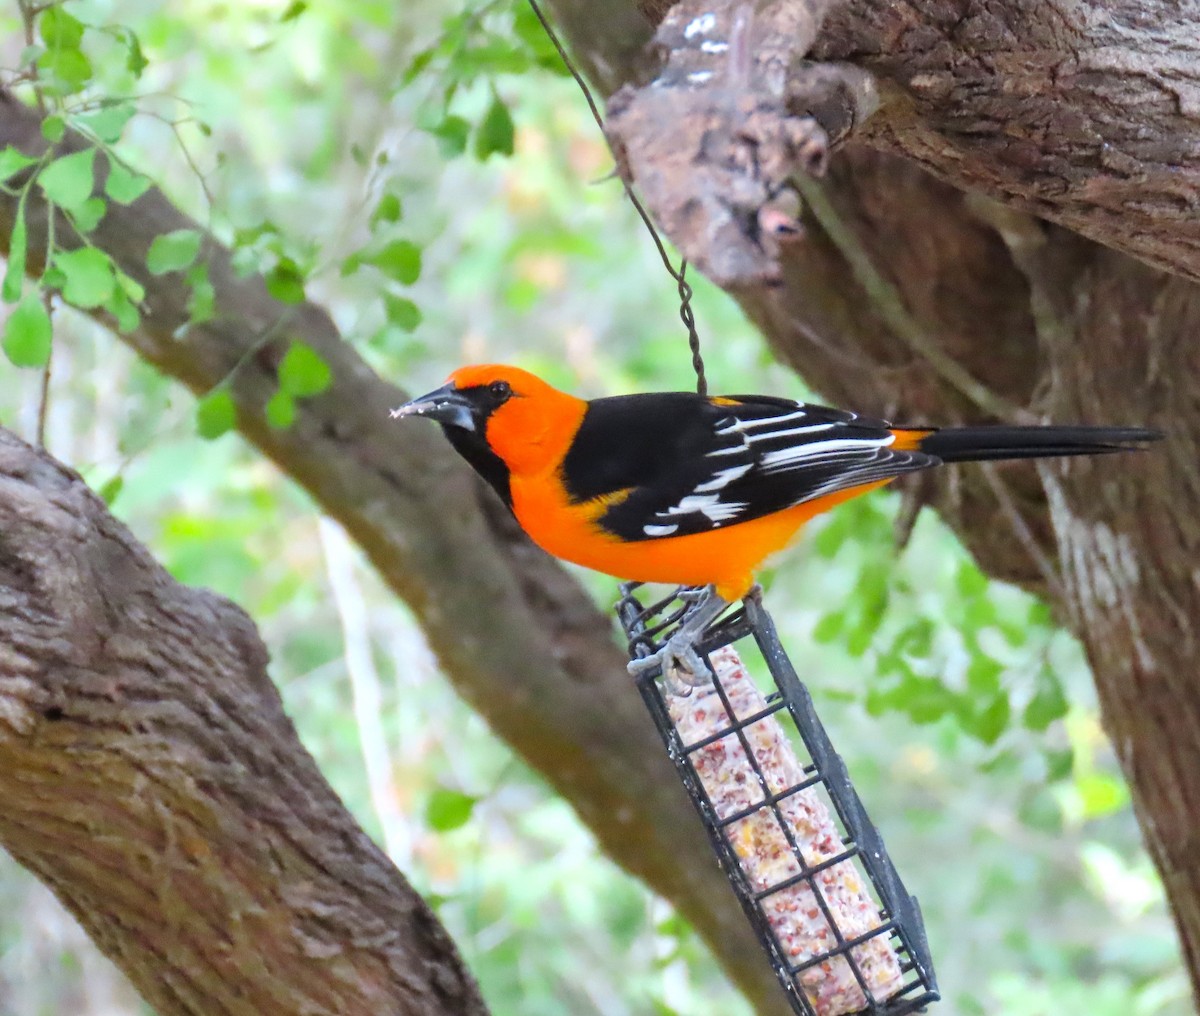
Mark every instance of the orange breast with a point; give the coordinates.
(727, 558)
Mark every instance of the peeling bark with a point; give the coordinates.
(1086, 114)
(150, 777)
(711, 141)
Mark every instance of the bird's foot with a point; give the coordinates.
(682, 667)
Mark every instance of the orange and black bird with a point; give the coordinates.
(692, 490)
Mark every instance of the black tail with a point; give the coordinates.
(978, 444)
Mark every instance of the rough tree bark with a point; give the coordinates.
(151, 779)
(1085, 113)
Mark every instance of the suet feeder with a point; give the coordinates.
(808, 867)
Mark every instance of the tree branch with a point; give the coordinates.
(1084, 114)
(150, 777)
(517, 636)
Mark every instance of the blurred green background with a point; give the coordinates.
(314, 135)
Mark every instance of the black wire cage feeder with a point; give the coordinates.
(808, 867)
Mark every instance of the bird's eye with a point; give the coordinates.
(500, 389)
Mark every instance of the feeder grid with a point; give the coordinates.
(792, 837)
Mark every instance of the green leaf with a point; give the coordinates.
(529, 30)
(14, 274)
(135, 59)
(124, 311)
(53, 128)
(27, 333)
(916, 639)
(989, 723)
(64, 71)
(452, 134)
(389, 209)
(216, 414)
(131, 287)
(108, 122)
(173, 252)
(970, 580)
(402, 312)
(1101, 795)
(871, 593)
(493, 56)
(303, 373)
(285, 282)
(202, 302)
(399, 260)
(1059, 764)
(1047, 705)
(983, 675)
(281, 410)
(924, 699)
(829, 627)
(60, 29)
(858, 639)
(12, 161)
(448, 810)
(1040, 615)
(68, 181)
(495, 133)
(418, 64)
(123, 185)
(979, 612)
(294, 10)
(88, 279)
(88, 215)
(111, 489)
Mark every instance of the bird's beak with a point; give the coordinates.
(446, 405)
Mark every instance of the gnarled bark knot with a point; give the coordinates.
(149, 776)
(734, 112)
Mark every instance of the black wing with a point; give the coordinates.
(674, 464)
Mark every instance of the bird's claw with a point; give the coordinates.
(682, 667)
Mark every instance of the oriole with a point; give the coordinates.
(691, 490)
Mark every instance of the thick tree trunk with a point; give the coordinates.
(150, 777)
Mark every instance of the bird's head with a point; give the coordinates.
(505, 410)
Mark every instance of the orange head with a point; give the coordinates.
(493, 412)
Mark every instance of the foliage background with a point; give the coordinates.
(335, 143)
